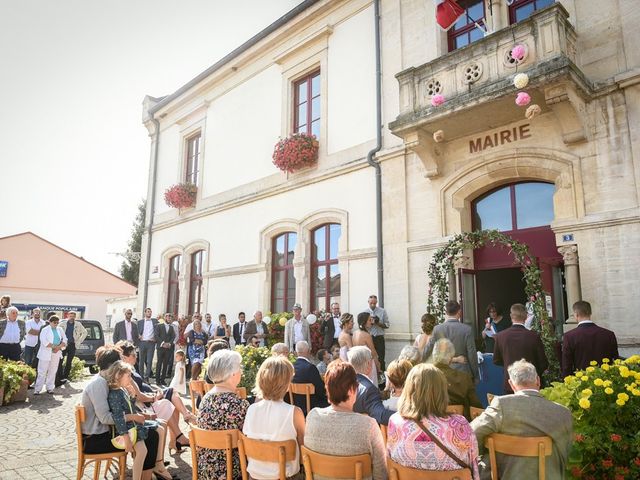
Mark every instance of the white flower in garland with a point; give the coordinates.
(521, 80)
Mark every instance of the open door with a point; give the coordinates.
(468, 298)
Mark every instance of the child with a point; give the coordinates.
(119, 375)
(178, 383)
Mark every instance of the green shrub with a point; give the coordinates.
(77, 369)
(12, 374)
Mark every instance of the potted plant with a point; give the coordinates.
(16, 379)
(605, 401)
(181, 195)
(298, 150)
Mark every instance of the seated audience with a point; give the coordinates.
(368, 399)
(397, 372)
(271, 418)
(306, 372)
(337, 429)
(324, 358)
(335, 352)
(253, 341)
(280, 349)
(422, 416)
(221, 409)
(460, 386)
(411, 354)
(526, 413)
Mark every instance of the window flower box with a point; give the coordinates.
(181, 195)
(297, 151)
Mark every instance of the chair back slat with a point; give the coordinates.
(475, 412)
(226, 440)
(399, 472)
(306, 389)
(355, 466)
(517, 446)
(241, 392)
(196, 387)
(490, 397)
(458, 409)
(81, 416)
(266, 451)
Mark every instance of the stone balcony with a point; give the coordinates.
(477, 83)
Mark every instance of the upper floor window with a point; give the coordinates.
(522, 9)
(173, 294)
(325, 271)
(465, 31)
(515, 207)
(193, 159)
(195, 282)
(283, 282)
(306, 104)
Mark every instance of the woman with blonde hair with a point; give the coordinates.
(397, 373)
(422, 435)
(271, 418)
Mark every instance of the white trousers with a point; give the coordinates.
(47, 373)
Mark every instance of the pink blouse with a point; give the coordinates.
(409, 446)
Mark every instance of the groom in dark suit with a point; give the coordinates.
(516, 343)
(330, 328)
(165, 336)
(586, 342)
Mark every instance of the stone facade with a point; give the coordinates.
(583, 73)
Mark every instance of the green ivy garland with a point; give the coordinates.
(443, 262)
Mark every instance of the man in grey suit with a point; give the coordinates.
(526, 413)
(368, 398)
(461, 336)
(126, 329)
(147, 333)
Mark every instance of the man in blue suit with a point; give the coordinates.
(368, 399)
(307, 372)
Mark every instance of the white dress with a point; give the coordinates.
(343, 353)
(178, 382)
(273, 421)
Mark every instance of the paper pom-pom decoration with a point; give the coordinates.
(311, 318)
(437, 100)
(523, 99)
(518, 52)
(532, 111)
(438, 136)
(521, 80)
(266, 320)
(282, 321)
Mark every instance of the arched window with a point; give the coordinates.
(195, 282)
(325, 271)
(515, 207)
(174, 289)
(283, 282)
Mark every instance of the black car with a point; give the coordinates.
(95, 339)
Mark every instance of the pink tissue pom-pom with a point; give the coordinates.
(437, 100)
(523, 99)
(518, 52)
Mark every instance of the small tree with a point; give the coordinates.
(130, 268)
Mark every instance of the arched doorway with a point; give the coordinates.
(524, 211)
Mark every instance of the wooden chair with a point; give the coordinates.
(306, 389)
(517, 446)
(85, 459)
(226, 440)
(458, 409)
(265, 451)
(356, 466)
(384, 429)
(398, 472)
(475, 412)
(241, 392)
(196, 387)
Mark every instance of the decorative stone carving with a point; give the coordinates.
(429, 153)
(569, 254)
(433, 87)
(472, 73)
(570, 109)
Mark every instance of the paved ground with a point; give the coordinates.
(39, 439)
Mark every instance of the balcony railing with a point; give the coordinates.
(477, 83)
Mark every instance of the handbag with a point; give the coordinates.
(118, 441)
(442, 447)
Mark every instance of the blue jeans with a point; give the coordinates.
(29, 355)
(146, 351)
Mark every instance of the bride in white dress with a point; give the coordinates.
(344, 339)
(363, 337)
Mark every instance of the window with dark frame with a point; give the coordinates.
(193, 159)
(195, 282)
(464, 32)
(325, 271)
(283, 282)
(173, 294)
(522, 9)
(306, 104)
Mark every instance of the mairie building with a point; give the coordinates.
(451, 153)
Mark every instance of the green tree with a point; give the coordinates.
(130, 268)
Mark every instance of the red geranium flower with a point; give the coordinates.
(296, 151)
(608, 463)
(181, 195)
(615, 437)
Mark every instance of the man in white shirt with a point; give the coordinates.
(12, 332)
(146, 329)
(33, 327)
(208, 326)
(380, 324)
(296, 329)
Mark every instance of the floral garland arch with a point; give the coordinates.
(444, 260)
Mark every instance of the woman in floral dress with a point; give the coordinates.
(221, 409)
(197, 341)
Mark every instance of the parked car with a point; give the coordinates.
(94, 340)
